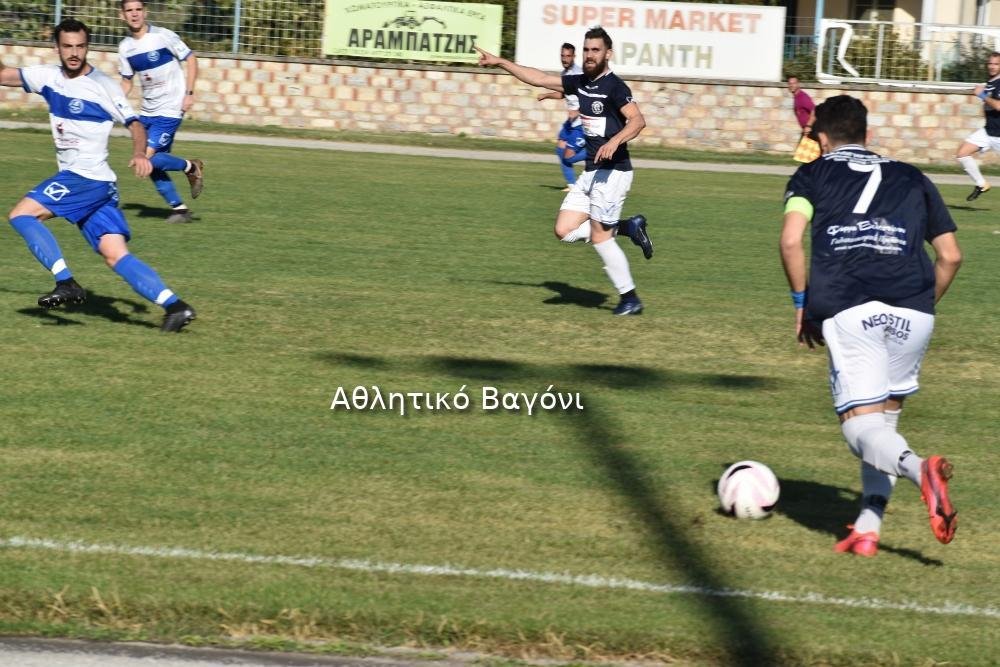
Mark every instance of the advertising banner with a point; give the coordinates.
(411, 29)
(668, 39)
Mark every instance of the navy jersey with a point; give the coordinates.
(992, 89)
(601, 103)
(871, 217)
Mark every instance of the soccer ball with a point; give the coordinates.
(748, 490)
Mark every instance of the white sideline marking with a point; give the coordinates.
(587, 581)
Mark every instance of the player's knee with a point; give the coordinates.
(113, 251)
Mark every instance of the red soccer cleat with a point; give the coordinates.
(935, 472)
(859, 544)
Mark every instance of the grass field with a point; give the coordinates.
(316, 271)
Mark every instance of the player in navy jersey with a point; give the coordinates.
(870, 298)
(985, 138)
(611, 118)
(83, 106)
(155, 54)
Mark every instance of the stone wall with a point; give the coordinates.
(914, 125)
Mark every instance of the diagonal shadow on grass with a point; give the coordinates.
(96, 305)
(826, 509)
(605, 375)
(348, 359)
(565, 294)
(745, 641)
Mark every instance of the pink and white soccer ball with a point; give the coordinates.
(748, 490)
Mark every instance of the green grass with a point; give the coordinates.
(313, 271)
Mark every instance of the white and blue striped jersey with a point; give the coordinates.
(156, 58)
(82, 111)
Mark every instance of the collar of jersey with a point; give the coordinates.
(589, 80)
(851, 147)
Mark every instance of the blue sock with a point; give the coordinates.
(568, 172)
(42, 245)
(144, 280)
(168, 162)
(165, 186)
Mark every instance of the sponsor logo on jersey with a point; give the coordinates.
(597, 106)
(153, 56)
(55, 191)
(76, 105)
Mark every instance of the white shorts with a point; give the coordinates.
(875, 352)
(600, 193)
(984, 141)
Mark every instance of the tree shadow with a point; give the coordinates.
(358, 360)
(746, 641)
(565, 294)
(603, 439)
(612, 376)
(96, 305)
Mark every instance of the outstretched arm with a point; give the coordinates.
(529, 75)
(9, 76)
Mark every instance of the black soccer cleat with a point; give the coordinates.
(976, 191)
(635, 229)
(628, 306)
(178, 316)
(66, 291)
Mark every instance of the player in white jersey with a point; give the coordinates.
(567, 57)
(83, 106)
(155, 54)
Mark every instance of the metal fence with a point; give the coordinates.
(860, 51)
(246, 27)
(904, 54)
(257, 27)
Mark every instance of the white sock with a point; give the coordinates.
(615, 265)
(892, 419)
(876, 489)
(971, 167)
(581, 233)
(873, 441)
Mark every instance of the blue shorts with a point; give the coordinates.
(109, 219)
(90, 205)
(160, 131)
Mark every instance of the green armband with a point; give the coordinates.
(799, 205)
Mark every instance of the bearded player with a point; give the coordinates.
(611, 118)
